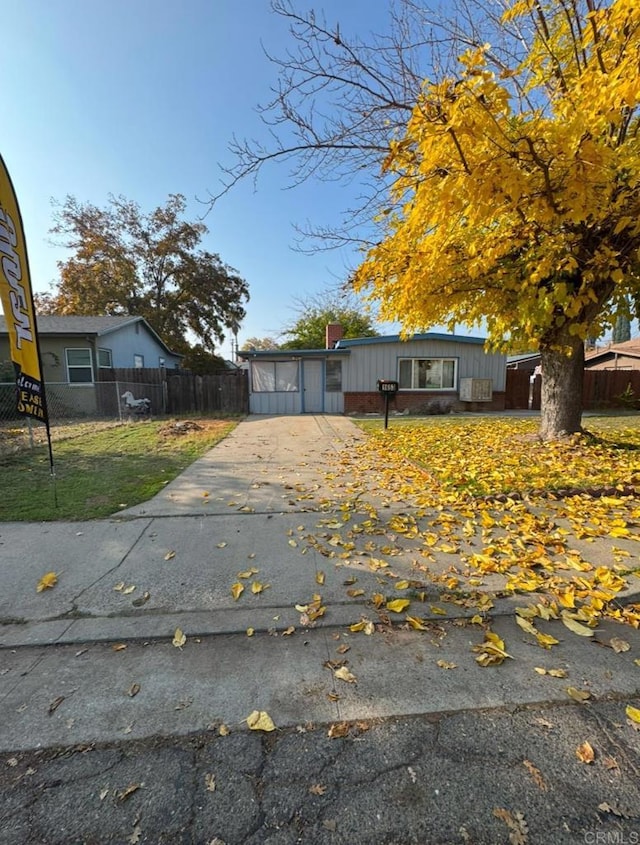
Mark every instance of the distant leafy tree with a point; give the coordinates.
(202, 362)
(259, 343)
(150, 265)
(308, 330)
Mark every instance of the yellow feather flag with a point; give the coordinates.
(17, 304)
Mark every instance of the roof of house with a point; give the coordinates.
(54, 324)
(343, 346)
(513, 359)
(291, 354)
(630, 348)
(396, 338)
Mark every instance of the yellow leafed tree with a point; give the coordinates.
(515, 202)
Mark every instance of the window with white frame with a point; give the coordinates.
(104, 358)
(79, 368)
(333, 376)
(274, 376)
(138, 361)
(427, 373)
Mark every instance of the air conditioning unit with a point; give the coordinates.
(476, 390)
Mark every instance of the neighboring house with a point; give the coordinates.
(74, 349)
(529, 362)
(343, 377)
(616, 356)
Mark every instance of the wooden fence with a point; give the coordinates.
(222, 393)
(184, 392)
(601, 389)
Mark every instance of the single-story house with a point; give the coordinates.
(343, 377)
(615, 356)
(74, 349)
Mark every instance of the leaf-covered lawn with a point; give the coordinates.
(489, 456)
(481, 502)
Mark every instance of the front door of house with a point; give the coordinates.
(312, 396)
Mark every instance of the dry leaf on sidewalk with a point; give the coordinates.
(343, 674)
(585, 753)
(47, 582)
(260, 720)
(179, 638)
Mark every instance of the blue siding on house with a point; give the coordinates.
(134, 339)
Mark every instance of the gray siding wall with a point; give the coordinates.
(127, 342)
(275, 403)
(372, 361)
(290, 402)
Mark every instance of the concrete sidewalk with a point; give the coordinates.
(92, 660)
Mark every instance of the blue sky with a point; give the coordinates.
(141, 98)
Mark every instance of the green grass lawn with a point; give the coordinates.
(98, 472)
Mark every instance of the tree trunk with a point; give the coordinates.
(562, 383)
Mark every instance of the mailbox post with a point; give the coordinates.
(388, 389)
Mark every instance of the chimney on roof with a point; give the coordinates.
(333, 333)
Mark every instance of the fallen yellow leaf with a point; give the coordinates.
(397, 605)
(259, 720)
(633, 713)
(546, 640)
(364, 625)
(491, 651)
(169, 555)
(179, 638)
(576, 627)
(416, 623)
(250, 632)
(47, 582)
(257, 587)
(320, 578)
(236, 590)
(443, 664)
(526, 626)
(578, 695)
(343, 674)
(401, 585)
(619, 645)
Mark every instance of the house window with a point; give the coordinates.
(427, 373)
(79, 369)
(333, 376)
(104, 358)
(272, 376)
(138, 361)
